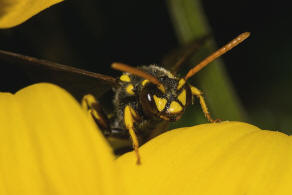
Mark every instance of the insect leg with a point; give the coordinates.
(129, 118)
(195, 91)
(92, 106)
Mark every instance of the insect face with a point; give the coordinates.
(167, 102)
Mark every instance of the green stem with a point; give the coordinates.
(190, 23)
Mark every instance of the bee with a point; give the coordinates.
(145, 98)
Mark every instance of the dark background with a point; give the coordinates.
(92, 34)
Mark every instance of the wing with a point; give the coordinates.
(18, 71)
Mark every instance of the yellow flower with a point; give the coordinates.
(225, 158)
(49, 145)
(14, 12)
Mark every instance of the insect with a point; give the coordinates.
(145, 98)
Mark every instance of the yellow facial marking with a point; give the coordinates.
(144, 82)
(160, 103)
(182, 97)
(125, 78)
(174, 107)
(180, 83)
(129, 89)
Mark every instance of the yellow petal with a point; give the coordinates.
(48, 145)
(225, 158)
(14, 12)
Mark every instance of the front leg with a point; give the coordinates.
(130, 116)
(92, 106)
(195, 91)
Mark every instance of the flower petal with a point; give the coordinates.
(225, 158)
(48, 145)
(16, 12)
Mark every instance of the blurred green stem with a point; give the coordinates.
(190, 23)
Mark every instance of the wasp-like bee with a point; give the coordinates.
(145, 98)
(148, 95)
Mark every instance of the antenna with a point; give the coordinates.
(135, 71)
(217, 54)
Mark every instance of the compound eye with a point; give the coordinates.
(151, 102)
(149, 97)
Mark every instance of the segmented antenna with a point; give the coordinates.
(217, 54)
(135, 71)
